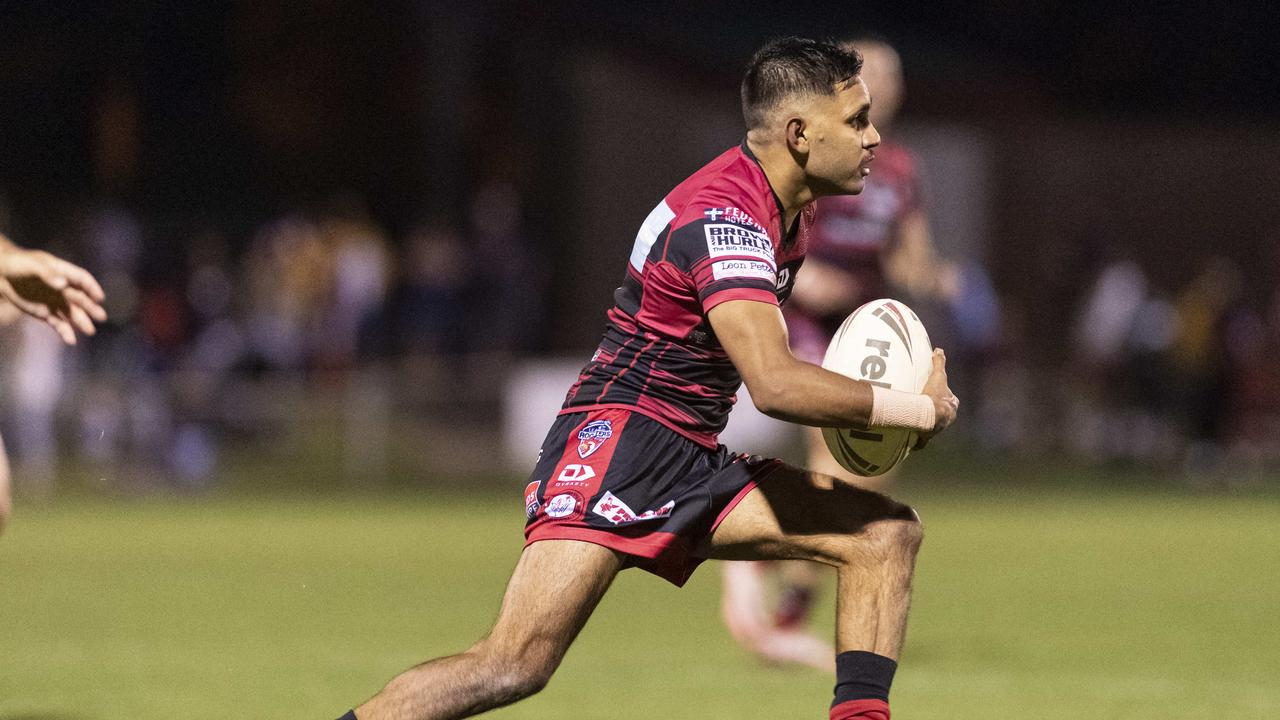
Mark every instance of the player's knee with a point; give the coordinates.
(524, 677)
(901, 535)
(885, 540)
(517, 675)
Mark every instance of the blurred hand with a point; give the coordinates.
(945, 403)
(949, 282)
(50, 289)
(824, 289)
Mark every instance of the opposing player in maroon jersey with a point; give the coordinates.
(54, 291)
(862, 247)
(631, 473)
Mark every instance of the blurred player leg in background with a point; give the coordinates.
(6, 498)
(762, 629)
(8, 314)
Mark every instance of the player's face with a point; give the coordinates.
(841, 140)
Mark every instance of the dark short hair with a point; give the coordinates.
(793, 66)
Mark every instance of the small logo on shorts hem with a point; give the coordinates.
(562, 505)
(531, 500)
(615, 511)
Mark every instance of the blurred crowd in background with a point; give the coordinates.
(200, 334)
(448, 181)
(209, 349)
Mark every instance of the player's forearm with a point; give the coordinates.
(812, 395)
(807, 394)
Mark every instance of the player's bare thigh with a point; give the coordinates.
(553, 590)
(796, 514)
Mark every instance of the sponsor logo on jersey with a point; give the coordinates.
(593, 436)
(722, 269)
(615, 511)
(531, 500)
(563, 505)
(575, 475)
(735, 241)
(733, 215)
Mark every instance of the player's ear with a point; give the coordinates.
(795, 134)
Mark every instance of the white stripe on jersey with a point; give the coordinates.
(648, 235)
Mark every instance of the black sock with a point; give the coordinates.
(862, 675)
(351, 715)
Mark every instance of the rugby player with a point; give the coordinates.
(861, 246)
(54, 291)
(631, 473)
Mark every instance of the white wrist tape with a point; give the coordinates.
(894, 408)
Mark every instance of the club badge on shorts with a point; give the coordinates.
(591, 437)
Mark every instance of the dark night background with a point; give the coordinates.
(1147, 132)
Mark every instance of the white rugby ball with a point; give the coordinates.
(885, 344)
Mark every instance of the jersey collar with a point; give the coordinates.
(788, 234)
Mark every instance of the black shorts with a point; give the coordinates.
(625, 481)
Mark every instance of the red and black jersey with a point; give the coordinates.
(717, 236)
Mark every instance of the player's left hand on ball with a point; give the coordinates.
(48, 288)
(945, 403)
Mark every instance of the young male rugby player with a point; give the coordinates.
(631, 473)
(54, 291)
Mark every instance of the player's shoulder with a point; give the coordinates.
(731, 188)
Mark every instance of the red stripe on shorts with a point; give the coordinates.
(584, 463)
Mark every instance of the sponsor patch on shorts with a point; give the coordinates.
(615, 511)
(563, 505)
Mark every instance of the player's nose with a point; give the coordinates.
(871, 138)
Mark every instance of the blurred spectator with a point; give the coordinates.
(361, 268)
(1204, 362)
(33, 366)
(1121, 393)
(510, 283)
(428, 311)
(289, 277)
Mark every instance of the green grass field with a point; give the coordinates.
(1104, 598)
